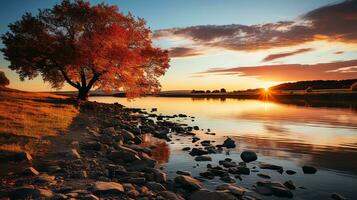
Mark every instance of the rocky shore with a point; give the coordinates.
(106, 160)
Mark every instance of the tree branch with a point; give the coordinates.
(65, 76)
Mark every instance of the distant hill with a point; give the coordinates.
(316, 84)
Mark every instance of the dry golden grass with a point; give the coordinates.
(34, 115)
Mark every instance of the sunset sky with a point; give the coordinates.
(231, 43)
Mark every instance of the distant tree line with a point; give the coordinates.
(222, 90)
(317, 84)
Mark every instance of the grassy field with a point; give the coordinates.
(28, 115)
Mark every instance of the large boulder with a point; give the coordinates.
(105, 188)
(248, 156)
(212, 195)
(188, 182)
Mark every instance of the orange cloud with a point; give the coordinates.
(285, 54)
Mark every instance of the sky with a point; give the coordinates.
(231, 43)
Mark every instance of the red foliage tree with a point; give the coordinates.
(86, 46)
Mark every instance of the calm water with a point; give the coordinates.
(281, 134)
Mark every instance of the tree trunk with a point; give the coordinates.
(83, 94)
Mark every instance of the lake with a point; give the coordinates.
(282, 134)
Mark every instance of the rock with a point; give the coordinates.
(186, 149)
(235, 190)
(183, 173)
(228, 164)
(264, 176)
(104, 188)
(212, 195)
(203, 158)
(290, 172)
(248, 156)
(228, 179)
(289, 184)
(198, 152)
(208, 175)
(45, 178)
(309, 170)
(73, 154)
(167, 195)
(229, 143)
(90, 197)
(196, 128)
(127, 135)
(277, 188)
(133, 194)
(154, 186)
(270, 166)
(30, 171)
(206, 143)
(159, 176)
(92, 146)
(239, 170)
(29, 192)
(337, 196)
(188, 182)
(266, 191)
(125, 154)
(15, 156)
(109, 131)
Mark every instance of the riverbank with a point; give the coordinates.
(103, 154)
(110, 151)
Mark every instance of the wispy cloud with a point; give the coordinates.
(183, 52)
(337, 22)
(285, 54)
(290, 72)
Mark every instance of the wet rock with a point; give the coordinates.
(235, 190)
(263, 190)
(277, 188)
(270, 166)
(203, 158)
(290, 172)
(186, 149)
(248, 156)
(239, 170)
(154, 186)
(30, 171)
(188, 182)
(264, 176)
(290, 184)
(309, 170)
(212, 195)
(228, 164)
(207, 174)
(167, 195)
(196, 128)
(186, 173)
(227, 179)
(206, 143)
(337, 196)
(229, 143)
(73, 154)
(159, 176)
(105, 188)
(198, 152)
